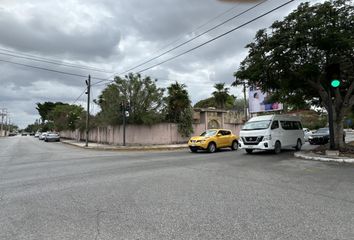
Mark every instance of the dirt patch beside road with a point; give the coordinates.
(348, 151)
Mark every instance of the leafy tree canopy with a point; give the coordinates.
(141, 94)
(66, 116)
(45, 108)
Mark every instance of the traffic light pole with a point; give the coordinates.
(88, 83)
(333, 82)
(124, 122)
(330, 121)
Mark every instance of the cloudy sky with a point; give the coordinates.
(107, 37)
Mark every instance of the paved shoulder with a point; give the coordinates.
(99, 146)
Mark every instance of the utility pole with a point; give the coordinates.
(9, 125)
(124, 107)
(245, 99)
(2, 122)
(123, 112)
(3, 114)
(88, 84)
(6, 125)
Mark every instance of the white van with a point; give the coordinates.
(272, 132)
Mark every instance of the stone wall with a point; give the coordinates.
(163, 133)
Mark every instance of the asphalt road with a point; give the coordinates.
(55, 191)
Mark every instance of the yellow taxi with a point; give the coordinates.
(213, 139)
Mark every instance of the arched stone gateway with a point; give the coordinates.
(213, 124)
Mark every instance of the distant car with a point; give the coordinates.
(307, 133)
(37, 134)
(42, 136)
(52, 137)
(213, 139)
(321, 136)
(11, 134)
(24, 134)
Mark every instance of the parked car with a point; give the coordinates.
(37, 134)
(307, 133)
(321, 136)
(52, 137)
(42, 136)
(213, 139)
(272, 132)
(11, 134)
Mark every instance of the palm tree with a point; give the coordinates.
(221, 95)
(177, 100)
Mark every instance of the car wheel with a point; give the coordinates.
(249, 151)
(298, 145)
(234, 145)
(277, 147)
(211, 147)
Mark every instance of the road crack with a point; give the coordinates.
(98, 227)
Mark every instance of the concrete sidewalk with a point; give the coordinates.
(309, 155)
(99, 146)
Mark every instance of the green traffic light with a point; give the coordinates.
(335, 83)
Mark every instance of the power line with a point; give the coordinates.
(194, 30)
(147, 61)
(49, 70)
(211, 40)
(77, 99)
(217, 37)
(49, 60)
(205, 43)
(199, 35)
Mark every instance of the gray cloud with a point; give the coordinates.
(115, 35)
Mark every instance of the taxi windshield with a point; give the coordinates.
(208, 133)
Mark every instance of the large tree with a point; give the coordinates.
(178, 108)
(45, 108)
(292, 58)
(66, 116)
(144, 98)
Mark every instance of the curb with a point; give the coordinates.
(129, 148)
(324, 159)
